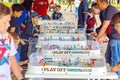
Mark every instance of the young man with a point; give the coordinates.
(108, 28)
(109, 12)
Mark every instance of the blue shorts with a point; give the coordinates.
(112, 54)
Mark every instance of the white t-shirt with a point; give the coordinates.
(7, 49)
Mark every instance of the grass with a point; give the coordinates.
(117, 6)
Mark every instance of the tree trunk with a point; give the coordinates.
(118, 1)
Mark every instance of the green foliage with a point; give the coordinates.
(117, 6)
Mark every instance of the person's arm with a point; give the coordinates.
(12, 29)
(85, 9)
(103, 29)
(15, 67)
(47, 4)
(13, 63)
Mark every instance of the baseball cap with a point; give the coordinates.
(33, 14)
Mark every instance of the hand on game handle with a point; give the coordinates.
(103, 39)
(94, 34)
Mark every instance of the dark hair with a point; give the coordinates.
(27, 4)
(104, 1)
(58, 6)
(4, 10)
(116, 18)
(17, 7)
(14, 35)
(94, 5)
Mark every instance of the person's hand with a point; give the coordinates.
(36, 34)
(106, 39)
(22, 42)
(38, 30)
(93, 34)
(102, 39)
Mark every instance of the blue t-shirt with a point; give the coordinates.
(56, 16)
(23, 17)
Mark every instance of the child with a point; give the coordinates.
(7, 48)
(16, 39)
(17, 12)
(57, 15)
(29, 32)
(90, 22)
(115, 43)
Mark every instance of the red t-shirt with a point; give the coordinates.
(41, 7)
(90, 22)
(52, 2)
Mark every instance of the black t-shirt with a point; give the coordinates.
(109, 12)
(114, 34)
(14, 23)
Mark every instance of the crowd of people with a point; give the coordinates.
(19, 27)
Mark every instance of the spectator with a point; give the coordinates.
(69, 4)
(41, 7)
(7, 58)
(82, 16)
(57, 15)
(77, 3)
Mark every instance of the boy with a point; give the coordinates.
(17, 12)
(29, 32)
(16, 40)
(115, 43)
(7, 58)
(57, 15)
